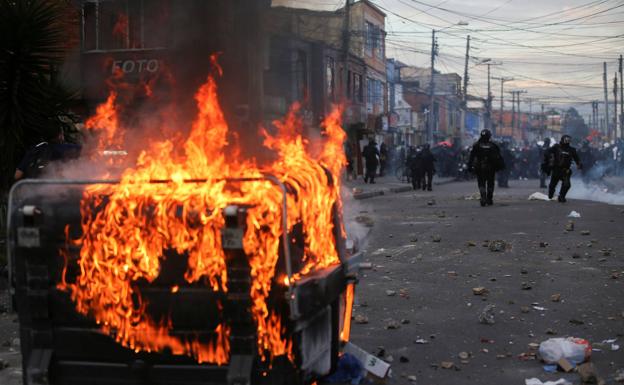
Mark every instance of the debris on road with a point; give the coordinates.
(538, 196)
(585, 232)
(526, 286)
(575, 350)
(421, 341)
(574, 214)
(436, 238)
(447, 365)
(365, 220)
(348, 371)
(392, 324)
(498, 245)
(555, 297)
(588, 374)
(487, 315)
(535, 381)
(372, 364)
(479, 290)
(361, 319)
(431, 202)
(569, 226)
(565, 365)
(390, 293)
(463, 355)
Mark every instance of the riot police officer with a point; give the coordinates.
(558, 162)
(428, 167)
(543, 150)
(508, 158)
(485, 161)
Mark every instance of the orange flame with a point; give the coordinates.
(127, 227)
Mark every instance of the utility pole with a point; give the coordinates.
(621, 101)
(519, 120)
(502, 102)
(513, 111)
(594, 112)
(489, 102)
(465, 95)
(346, 40)
(615, 104)
(542, 121)
(430, 121)
(606, 99)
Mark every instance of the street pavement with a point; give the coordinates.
(427, 252)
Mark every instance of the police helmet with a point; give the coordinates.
(566, 139)
(486, 134)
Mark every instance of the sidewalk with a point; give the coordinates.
(384, 185)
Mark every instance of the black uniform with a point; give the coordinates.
(587, 160)
(415, 164)
(558, 162)
(371, 155)
(508, 158)
(543, 150)
(428, 167)
(485, 161)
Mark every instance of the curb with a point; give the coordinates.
(368, 194)
(375, 193)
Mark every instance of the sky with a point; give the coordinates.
(553, 49)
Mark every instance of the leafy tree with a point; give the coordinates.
(574, 125)
(34, 38)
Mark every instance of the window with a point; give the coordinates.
(380, 44)
(374, 41)
(125, 24)
(357, 88)
(369, 90)
(378, 94)
(301, 75)
(330, 77)
(349, 85)
(369, 45)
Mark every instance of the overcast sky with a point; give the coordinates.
(554, 49)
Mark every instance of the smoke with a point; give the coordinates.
(356, 216)
(597, 192)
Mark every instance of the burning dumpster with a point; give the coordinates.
(193, 267)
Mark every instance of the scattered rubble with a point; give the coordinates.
(498, 245)
(555, 297)
(487, 315)
(479, 290)
(447, 365)
(569, 226)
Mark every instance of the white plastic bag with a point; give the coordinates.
(574, 214)
(575, 350)
(538, 196)
(535, 381)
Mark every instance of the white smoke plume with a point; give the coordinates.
(597, 192)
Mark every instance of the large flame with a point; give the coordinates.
(127, 227)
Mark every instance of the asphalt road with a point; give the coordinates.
(431, 283)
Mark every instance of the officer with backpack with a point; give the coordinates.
(557, 163)
(485, 161)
